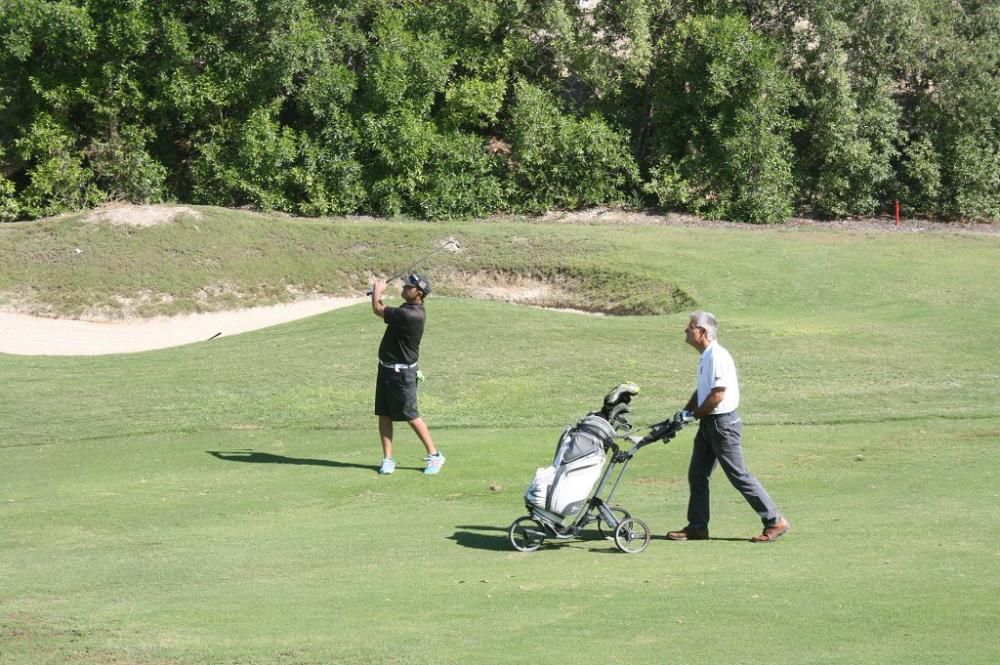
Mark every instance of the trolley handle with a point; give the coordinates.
(665, 430)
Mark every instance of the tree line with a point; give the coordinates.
(752, 110)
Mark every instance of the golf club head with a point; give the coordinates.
(620, 394)
(619, 417)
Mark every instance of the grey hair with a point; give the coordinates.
(706, 320)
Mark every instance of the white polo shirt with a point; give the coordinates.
(716, 369)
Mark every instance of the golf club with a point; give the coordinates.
(447, 243)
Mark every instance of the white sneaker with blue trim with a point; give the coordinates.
(434, 463)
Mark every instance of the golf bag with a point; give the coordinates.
(577, 488)
(565, 485)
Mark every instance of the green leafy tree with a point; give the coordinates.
(955, 95)
(564, 162)
(58, 179)
(257, 105)
(44, 47)
(250, 163)
(847, 139)
(9, 207)
(123, 167)
(422, 152)
(720, 128)
(728, 108)
(937, 64)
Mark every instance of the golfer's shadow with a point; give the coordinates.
(255, 457)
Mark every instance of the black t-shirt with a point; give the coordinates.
(404, 326)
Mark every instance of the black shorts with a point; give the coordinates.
(396, 393)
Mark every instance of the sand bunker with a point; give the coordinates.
(21, 334)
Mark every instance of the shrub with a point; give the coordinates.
(463, 179)
(920, 176)
(416, 168)
(58, 179)
(559, 161)
(125, 170)
(327, 173)
(720, 126)
(247, 163)
(975, 176)
(9, 207)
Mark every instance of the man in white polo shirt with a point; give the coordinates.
(714, 404)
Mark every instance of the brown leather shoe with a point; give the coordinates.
(688, 533)
(773, 532)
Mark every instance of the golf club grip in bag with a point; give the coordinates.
(564, 486)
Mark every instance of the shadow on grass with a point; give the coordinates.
(254, 457)
(495, 538)
(697, 542)
(499, 542)
(496, 542)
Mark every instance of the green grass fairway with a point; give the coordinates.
(218, 503)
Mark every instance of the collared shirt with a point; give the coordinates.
(404, 327)
(716, 369)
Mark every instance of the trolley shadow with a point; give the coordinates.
(481, 541)
(469, 536)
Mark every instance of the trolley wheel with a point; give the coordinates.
(632, 536)
(526, 535)
(606, 530)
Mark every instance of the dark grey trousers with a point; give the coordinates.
(718, 441)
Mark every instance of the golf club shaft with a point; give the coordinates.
(409, 269)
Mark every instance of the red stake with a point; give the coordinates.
(897, 212)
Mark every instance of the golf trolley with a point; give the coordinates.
(560, 502)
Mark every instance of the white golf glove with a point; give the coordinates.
(684, 417)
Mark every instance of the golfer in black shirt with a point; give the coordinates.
(396, 386)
